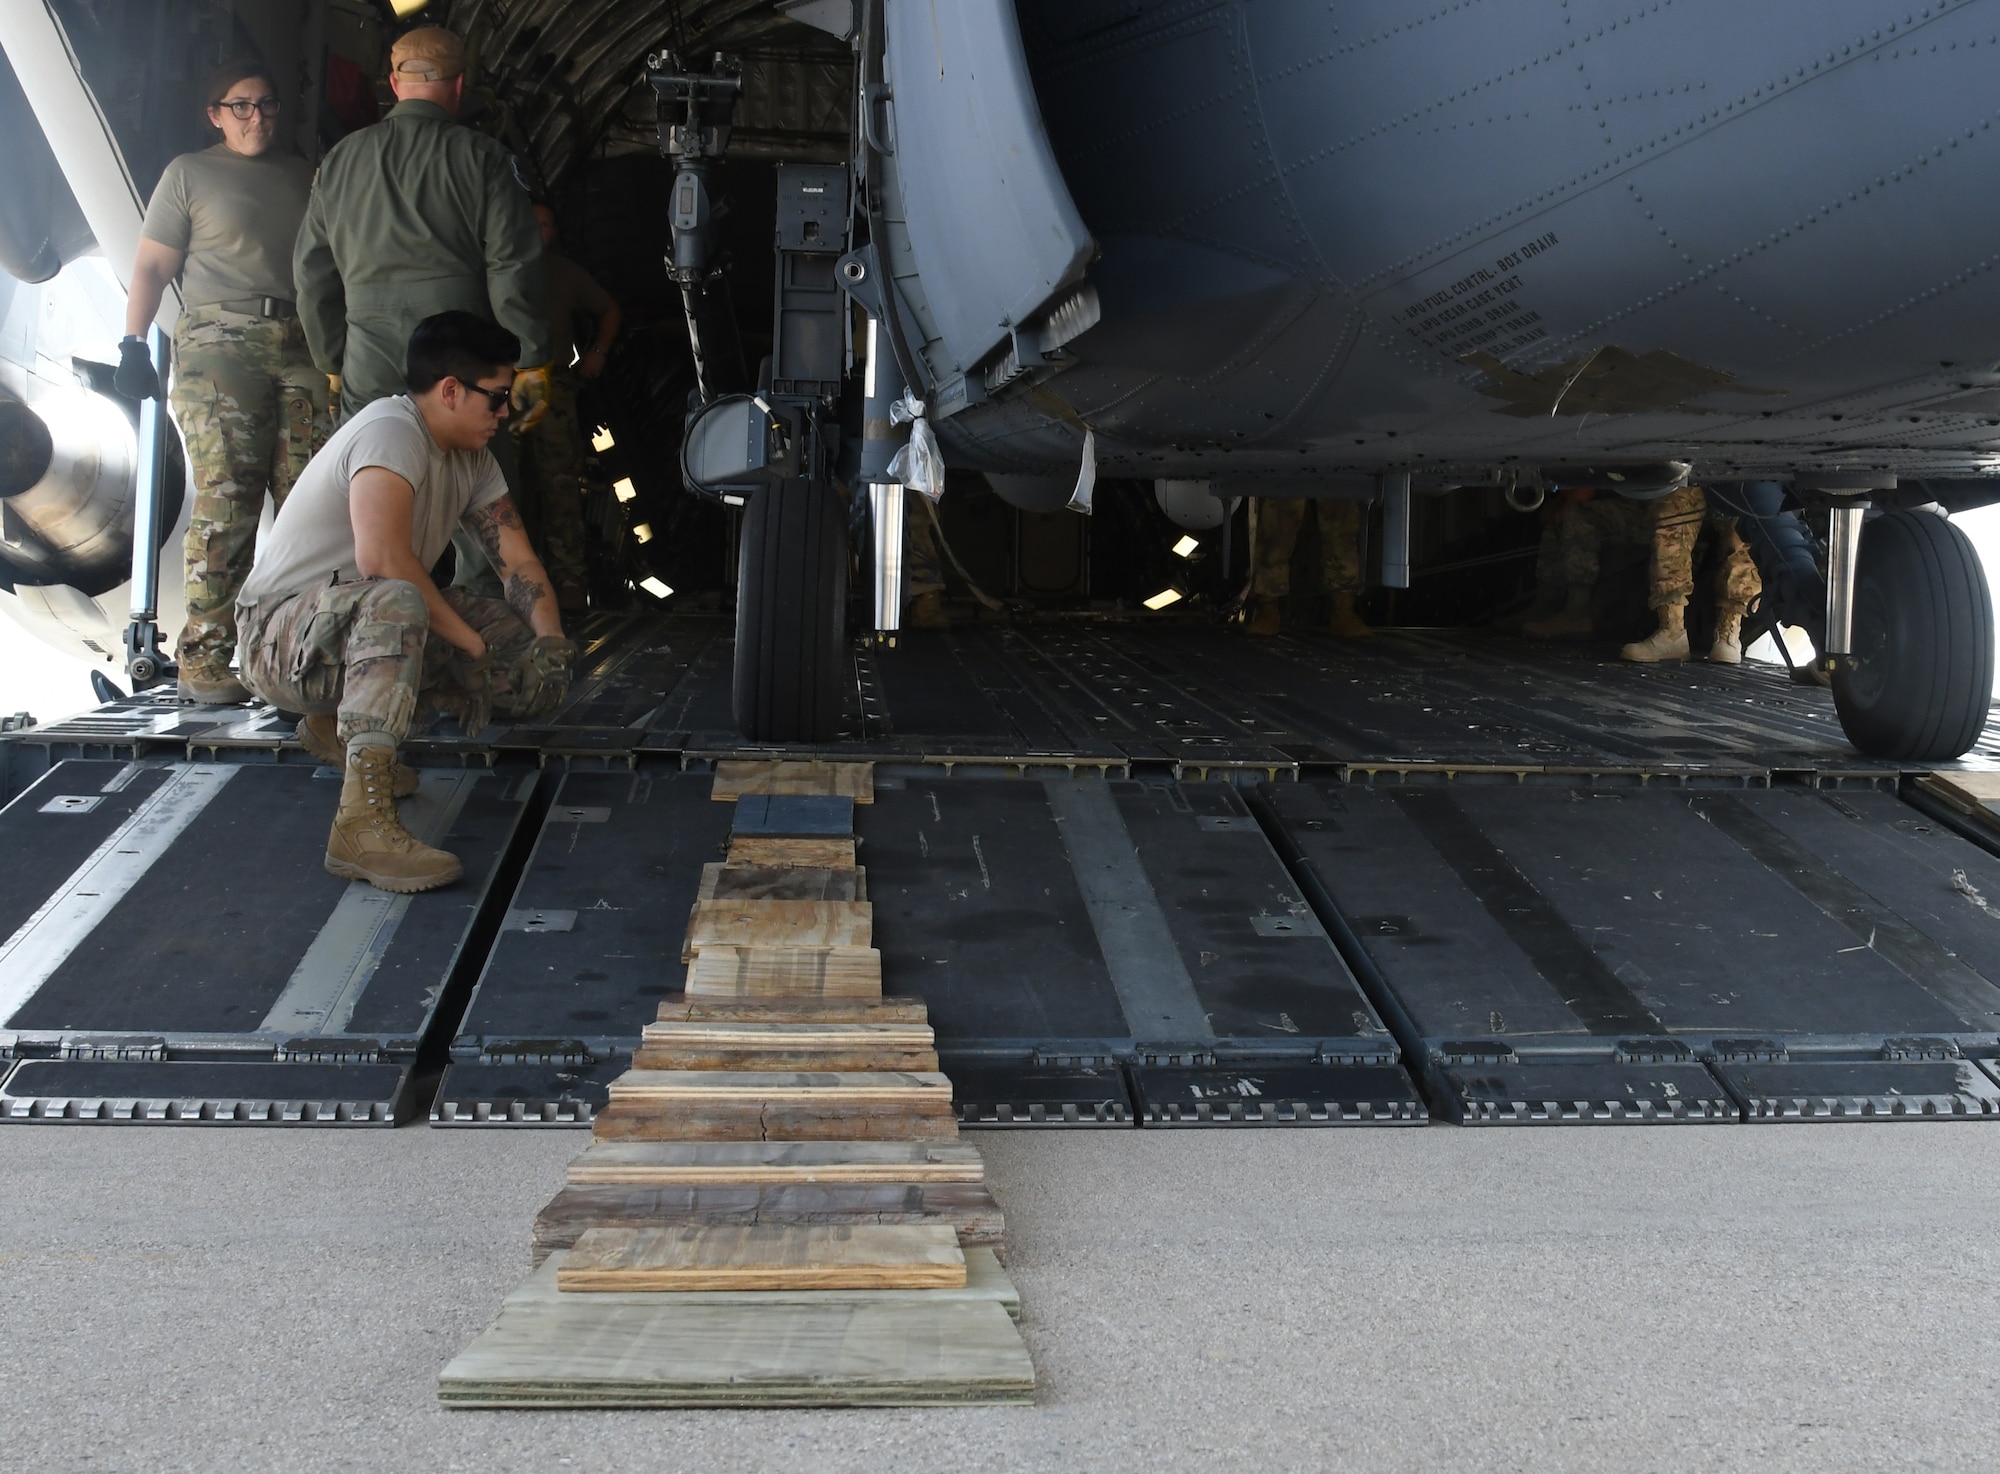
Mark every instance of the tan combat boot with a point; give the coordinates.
(320, 736)
(927, 612)
(1343, 621)
(1571, 622)
(1728, 646)
(211, 685)
(369, 841)
(1266, 617)
(1668, 642)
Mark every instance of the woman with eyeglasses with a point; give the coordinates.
(250, 405)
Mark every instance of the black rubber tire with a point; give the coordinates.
(791, 615)
(1921, 677)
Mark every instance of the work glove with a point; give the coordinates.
(532, 388)
(466, 691)
(333, 397)
(545, 675)
(135, 376)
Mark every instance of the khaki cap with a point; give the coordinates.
(427, 54)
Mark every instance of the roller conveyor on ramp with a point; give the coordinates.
(1153, 876)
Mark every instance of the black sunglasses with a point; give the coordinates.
(496, 399)
(243, 107)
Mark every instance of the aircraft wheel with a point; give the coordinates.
(791, 615)
(1921, 676)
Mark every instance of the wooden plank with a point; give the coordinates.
(1975, 794)
(778, 924)
(734, 779)
(820, 1087)
(652, 1120)
(864, 1010)
(786, 1046)
(985, 1279)
(601, 1351)
(777, 1105)
(967, 1208)
(765, 1256)
(828, 854)
(774, 972)
(756, 1163)
(732, 882)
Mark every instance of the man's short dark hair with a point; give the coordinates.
(457, 345)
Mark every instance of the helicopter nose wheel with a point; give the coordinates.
(1919, 680)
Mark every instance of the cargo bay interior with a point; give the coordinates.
(1146, 869)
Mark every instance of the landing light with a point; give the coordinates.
(623, 489)
(1187, 547)
(654, 587)
(601, 440)
(1163, 598)
(643, 531)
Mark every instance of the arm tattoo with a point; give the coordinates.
(485, 523)
(524, 594)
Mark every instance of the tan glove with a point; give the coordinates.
(545, 675)
(466, 691)
(532, 388)
(333, 397)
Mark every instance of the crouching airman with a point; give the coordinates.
(341, 620)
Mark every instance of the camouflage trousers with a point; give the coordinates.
(365, 651)
(1670, 526)
(923, 563)
(253, 410)
(1275, 535)
(550, 498)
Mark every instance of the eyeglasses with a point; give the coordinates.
(243, 107)
(496, 399)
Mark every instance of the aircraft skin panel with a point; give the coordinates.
(1002, 237)
(1310, 219)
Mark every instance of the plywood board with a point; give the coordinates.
(725, 1007)
(774, 1163)
(778, 924)
(829, 854)
(775, 972)
(967, 1208)
(753, 1120)
(985, 1279)
(764, 1256)
(787, 1046)
(734, 779)
(597, 1351)
(781, 883)
(819, 1087)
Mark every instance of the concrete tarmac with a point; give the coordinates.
(1627, 1298)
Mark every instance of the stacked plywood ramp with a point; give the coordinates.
(777, 1210)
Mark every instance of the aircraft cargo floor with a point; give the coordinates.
(1144, 873)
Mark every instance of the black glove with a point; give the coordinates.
(136, 378)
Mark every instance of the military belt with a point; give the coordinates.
(259, 307)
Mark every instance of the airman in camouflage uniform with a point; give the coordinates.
(1276, 524)
(251, 407)
(253, 410)
(1670, 526)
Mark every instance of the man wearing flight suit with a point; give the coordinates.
(413, 217)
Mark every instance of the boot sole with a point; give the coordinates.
(403, 885)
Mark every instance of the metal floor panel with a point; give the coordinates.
(1569, 953)
(198, 946)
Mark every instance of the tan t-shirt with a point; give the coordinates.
(237, 219)
(570, 289)
(312, 542)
